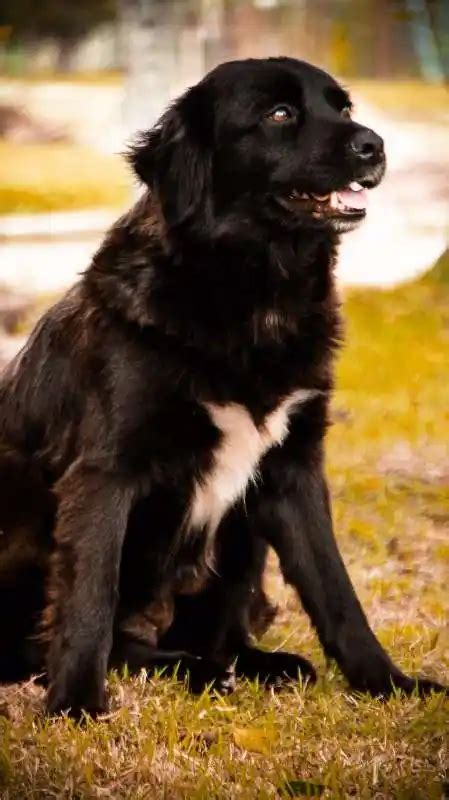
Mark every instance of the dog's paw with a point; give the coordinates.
(421, 686)
(385, 685)
(275, 669)
(207, 673)
(73, 709)
(75, 704)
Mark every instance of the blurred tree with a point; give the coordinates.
(439, 21)
(150, 48)
(427, 21)
(67, 21)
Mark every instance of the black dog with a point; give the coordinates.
(165, 422)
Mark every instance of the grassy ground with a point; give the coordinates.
(57, 177)
(389, 472)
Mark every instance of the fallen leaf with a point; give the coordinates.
(257, 740)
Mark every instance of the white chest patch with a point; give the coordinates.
(237, 457)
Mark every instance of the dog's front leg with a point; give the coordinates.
(91, 523)
(294, 515)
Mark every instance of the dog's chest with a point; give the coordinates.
(235, 461)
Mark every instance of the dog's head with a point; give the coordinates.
(270, 138)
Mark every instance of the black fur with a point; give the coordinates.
(216, 287)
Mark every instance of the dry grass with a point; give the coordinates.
(56, 177)
(389, 471)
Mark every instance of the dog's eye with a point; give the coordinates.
(346, 112)
(280, 114)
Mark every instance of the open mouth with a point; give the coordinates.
(347, 205)
(353, 199)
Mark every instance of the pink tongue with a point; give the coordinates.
(353, 199)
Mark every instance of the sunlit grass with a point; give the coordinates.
(54, 177)
(391, 377)
(389, 472)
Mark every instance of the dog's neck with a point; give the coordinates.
(246, 286)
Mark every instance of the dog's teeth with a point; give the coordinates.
(321, 197)
(334, 200)
(355, 187)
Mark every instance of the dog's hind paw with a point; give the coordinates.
(274, 669)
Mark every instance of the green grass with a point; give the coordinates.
(59, 177)
(388, 463)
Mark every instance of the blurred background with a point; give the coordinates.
(78, 78)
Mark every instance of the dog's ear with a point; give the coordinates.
(174, 160)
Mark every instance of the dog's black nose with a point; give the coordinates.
(366, 144)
